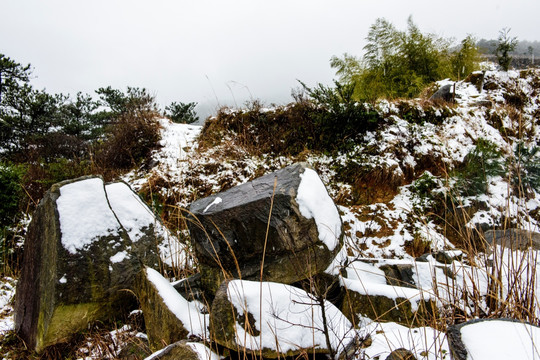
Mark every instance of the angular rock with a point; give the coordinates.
(399, 275)
(184, 350)
(230, 231)
(276, 319)
(386, 308)
(514, 239)
(79, 260)
(493, 339)
(446, 93)
(168, 316)
(379, 294)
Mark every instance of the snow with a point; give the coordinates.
(131, 211)
(375, 234)
(203, 351)
(217, 201)
(389, 291)
(424, 342)
(84, 214)
(498, 339)
(7, 294)
(136, 217)
(314, 202)
(189, 313)
(174, 140)
(119, 257)
(288, 318)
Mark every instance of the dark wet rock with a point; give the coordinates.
(445, 93)
(231, 235)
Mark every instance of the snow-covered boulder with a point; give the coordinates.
(490, 339)
(233, 231)
(168, 316)
(387, 292)
(277, 320)
(85, 245)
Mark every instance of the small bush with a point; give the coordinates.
(182, 113)
(483, 162)
(526, 169)
(11, 193)
(130, 138)
(328, 121)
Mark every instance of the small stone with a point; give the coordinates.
(401, 354)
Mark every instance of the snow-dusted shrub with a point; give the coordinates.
(525, 169)
(130, 138)
(329, 120)
(481, 163)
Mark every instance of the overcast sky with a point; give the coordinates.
(218, 52)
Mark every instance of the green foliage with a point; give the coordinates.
(402, 63)
(182, 113)
(338, 118)
(79, 117)
(426, 194)
(505, 45)
(10, 192)
(526, 169)
(133, 130)
(480, 164)
(326, 120)
(465, 60)
(12, 74)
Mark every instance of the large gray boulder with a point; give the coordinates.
(233, 232)
(84, 247)
(514, 239)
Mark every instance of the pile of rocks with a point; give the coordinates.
(269, 254)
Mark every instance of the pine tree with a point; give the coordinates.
(505, 45)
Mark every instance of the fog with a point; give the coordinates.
(220, 53)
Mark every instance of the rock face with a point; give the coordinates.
(231, 233)
(398, 309)
(514, 239)
(276, 320)
(84, 246)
